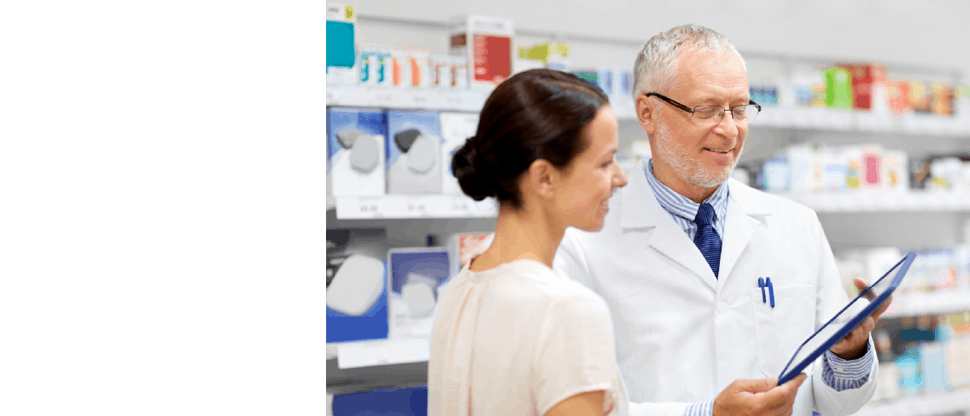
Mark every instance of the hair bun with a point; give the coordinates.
(469, 168)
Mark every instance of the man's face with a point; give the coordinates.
(698, 155)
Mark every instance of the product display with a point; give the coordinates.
(356, 298)
(356, 151)
(414, 280)
(456, 128)
(414, 152)
(375, 65)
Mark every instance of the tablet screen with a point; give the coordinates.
(847, 319)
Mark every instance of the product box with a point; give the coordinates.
(804, 169)
(413, 152)
(838, 88)
(855, 168)
(456, 128)
(921, 97)
(872, 167)
(416, 275)
(775, 175)
(443, 70)
(834, 166)
(942, 99)
(463, 246)
(411, 67)
(605, 79)
(486, 44)
(626, 83)
(411, 401)
(899, 96)
(356, 298)
(375, 64)
(550, 55)
(895, 170)
(866, 79)
(341, 38)
(355, 146)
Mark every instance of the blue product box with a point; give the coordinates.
(413, 152)
(775, 175)
(356, 298)
(411, 401)
(415, 281)
(626, 83)
(356, 143)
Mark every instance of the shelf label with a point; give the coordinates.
(417, 207)
(385, 352)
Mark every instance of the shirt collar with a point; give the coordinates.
(679, 205)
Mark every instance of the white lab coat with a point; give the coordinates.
(683, 335)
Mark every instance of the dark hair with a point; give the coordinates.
(536, 114)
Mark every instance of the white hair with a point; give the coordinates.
(657, 59)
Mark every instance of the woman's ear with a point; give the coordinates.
(541, 178)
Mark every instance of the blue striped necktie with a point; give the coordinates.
(706, 238)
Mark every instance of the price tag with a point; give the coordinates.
(453, 101)
(420, 100)
(383, 98)
(370, 207)
(461, 207)
(417, 208)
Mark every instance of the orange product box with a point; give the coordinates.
(899, 94)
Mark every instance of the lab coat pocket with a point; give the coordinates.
(782, 328)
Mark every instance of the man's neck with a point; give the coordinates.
(666, 176)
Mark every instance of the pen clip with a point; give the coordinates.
(761, 284)
(771, 291)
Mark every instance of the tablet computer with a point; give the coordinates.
(846, 320)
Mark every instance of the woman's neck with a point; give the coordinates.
(522, 234)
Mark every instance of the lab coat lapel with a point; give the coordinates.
(641, 210)
(745, 212)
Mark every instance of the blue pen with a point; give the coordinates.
(771, 291)
(761, 284)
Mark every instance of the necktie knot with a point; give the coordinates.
(705, 215)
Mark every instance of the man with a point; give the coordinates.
(684, 248)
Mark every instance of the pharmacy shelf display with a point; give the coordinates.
(930, 405)
(876, 201)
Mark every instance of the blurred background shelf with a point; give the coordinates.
(931, 405)
(862, 201)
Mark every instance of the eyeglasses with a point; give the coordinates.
(709, 115)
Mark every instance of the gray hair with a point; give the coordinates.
(657, 58)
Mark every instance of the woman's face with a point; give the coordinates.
(582, 198)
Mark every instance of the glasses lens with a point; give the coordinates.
(707, 114)
(745, 113)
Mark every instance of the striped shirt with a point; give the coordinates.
(837, 373)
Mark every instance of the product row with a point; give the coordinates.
(375, 152)
(370, 298)
(924, 355)
(866, 167)
(934, 269)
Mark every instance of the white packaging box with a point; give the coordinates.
(456, 128)
(414, 287)
(413, 152)
(486, 44)
(895, 171)
(356, 142)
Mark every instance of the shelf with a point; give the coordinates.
(382, 352)
(929, 303)
(432, 99)
(412, 206)
(876, 201)
(932, 405)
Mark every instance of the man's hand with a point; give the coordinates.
(853, 346)
(763, 397)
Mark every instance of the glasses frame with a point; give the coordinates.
(692, 110)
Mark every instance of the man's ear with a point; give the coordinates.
(646, 114)
(541, 178)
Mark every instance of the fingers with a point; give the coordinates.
(861, 284)
(756, 385)
(779, 400)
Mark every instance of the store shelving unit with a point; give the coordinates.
(929, 405)
(875, 201)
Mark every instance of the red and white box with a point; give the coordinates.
(868, 83)
(486, 43)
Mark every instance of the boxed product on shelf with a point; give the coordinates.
(838, 88)
(341, 39)
(920, 97)
(899, 96)
(356, 298)
(804, 169)
(867, 78)
(456, 128)
(549, 55)
(486, 44)
(411, 66)
(387, 401)
(774, 175)
(957, 349)
(462, 246)
(448, 72)
(942, 99)
(834, 168)
(933, 367)
(895, 170)
(375, 64)
(414, 281)
(413, 152)
(356, 143)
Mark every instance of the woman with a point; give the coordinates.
(510, 336)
